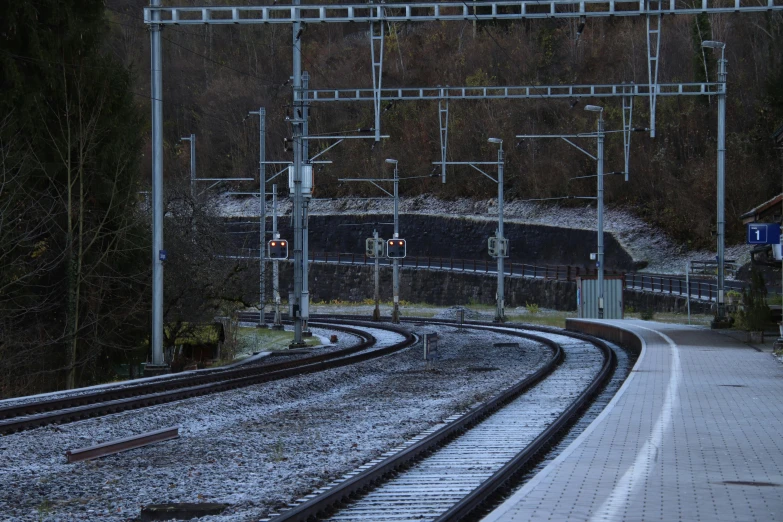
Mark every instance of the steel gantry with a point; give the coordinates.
(157, 16)
(443, 11)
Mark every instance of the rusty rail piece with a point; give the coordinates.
(28, 415)
(115, 446)
(364, 481)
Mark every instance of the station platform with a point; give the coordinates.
(695, 433)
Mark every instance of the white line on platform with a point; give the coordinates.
(508, 505)
(645, 459)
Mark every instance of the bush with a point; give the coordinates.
(647, 314)
(532, 308)
(754, 314)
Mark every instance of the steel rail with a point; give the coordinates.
(355, 485)
(365, 480)
(177, 381)
(115, 446)
(296, 368)
(524, 458)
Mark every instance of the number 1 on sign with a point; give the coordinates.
(758, 234)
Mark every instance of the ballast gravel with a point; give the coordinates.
(262, 447)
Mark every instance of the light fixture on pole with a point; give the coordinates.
(721, 319)
(396, 262)
(600, 176)
(500, 313)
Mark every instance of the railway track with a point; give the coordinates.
(71, 408)
(450, 471)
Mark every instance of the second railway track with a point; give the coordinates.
(34, 414)
(448, 472)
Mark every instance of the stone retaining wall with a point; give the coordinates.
(355, 283)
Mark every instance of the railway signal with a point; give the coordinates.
(395, 248)
(497, 247)
(278, 249)
(373, 247)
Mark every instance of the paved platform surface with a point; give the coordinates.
(695, 433)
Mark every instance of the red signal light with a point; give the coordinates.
(273, 243)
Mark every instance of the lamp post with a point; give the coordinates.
(396, 262)
(500, 314)
(721, 320)
(500, 244)
(600, 176)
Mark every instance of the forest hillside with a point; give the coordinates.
(214, 75)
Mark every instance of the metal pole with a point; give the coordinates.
(396, 275)
(600, 215)
(720, 315)
(500, 314)
(297, 210)
(262, 216)
(157, 187)
(376, 315)
(688, 287)
(779, 342)
(278, 325)
(193, 166)
(305, 303)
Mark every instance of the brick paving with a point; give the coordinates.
(695, 433)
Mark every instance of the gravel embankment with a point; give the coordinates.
(260, 447)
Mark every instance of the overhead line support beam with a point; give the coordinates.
(441, 11)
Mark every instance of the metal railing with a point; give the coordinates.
(656, 283)
(558, 272)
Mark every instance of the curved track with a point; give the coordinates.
(447, 473)
(71, 408)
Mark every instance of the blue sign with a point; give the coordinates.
(764, 234)
(162, 255)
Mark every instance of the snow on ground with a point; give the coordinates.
(641, 241)
(260, 447)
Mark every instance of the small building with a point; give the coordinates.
(200, 342)
(768, 212)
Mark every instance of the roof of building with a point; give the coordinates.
(752, 214)
(778, 134)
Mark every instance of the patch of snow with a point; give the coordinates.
(642, 241)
